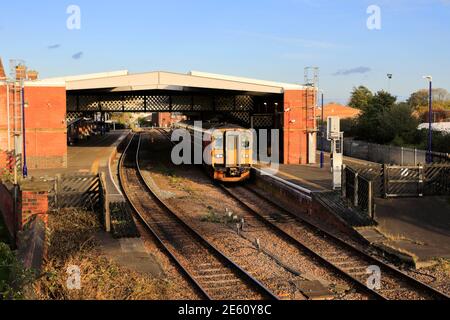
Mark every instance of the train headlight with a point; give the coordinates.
(219, 156)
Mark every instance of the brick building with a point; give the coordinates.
(43, 112)
(254, 103)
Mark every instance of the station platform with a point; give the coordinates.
(91, 156)
(415, 229)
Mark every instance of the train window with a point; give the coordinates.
(218, 142)
(245, 142)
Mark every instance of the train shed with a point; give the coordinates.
(50, 104)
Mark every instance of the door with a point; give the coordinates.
(232, 149)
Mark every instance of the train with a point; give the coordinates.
(227, 149)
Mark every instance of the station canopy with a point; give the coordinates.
(123, 81)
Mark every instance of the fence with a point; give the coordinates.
(383, 153)
(75, 191)
(358, 189)
(416, 181)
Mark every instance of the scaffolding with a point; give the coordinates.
(15, 102)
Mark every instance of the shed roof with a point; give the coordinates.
(119, 81)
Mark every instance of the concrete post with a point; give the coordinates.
(356, 200)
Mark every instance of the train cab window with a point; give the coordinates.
(245, 142)
(218, 142)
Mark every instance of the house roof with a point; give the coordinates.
(338, 110)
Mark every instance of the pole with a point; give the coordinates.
(322, 155)
(430, 120)
(8, 116)
(25, 168)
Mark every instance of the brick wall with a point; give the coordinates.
(46, 130)
(33, 203)
(297, 123)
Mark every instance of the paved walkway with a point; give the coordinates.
(420, 226)
(90, 156)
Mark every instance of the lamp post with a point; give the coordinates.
(390, 76)
(430, 119)
(322, 137)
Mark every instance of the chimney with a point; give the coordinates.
(32, 75)
(21, 72)
(2, 71)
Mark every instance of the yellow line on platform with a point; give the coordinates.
(95, 166)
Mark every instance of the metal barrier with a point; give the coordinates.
(359, 191)
(416, 181)
(384, 153)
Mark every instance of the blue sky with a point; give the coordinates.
(266, 39)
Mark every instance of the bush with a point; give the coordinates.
(13, 277)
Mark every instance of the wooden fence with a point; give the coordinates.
(75, 191)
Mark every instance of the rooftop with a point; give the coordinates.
(119, 81)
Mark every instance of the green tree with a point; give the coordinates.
(360, 97)
(420, 99)
(371, 120)
(397, 125)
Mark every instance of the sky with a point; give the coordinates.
(263, 39)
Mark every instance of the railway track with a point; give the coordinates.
(350, 261)
(214, 275)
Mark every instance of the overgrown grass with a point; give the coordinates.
(72, 243)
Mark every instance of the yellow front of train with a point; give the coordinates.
(232, 154)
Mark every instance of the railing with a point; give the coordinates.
(416, 181)
(359, 191)
(384, 154)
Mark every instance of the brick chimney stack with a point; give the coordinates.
(21, 72)
(2, 71)
(32, 75)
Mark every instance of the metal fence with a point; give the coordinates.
(358, 190)
(384, 154)
(416, 181)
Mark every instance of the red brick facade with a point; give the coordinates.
(33, 204)
(299, 121)
(46, 131)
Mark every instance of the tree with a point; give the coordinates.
(360, 98)
(397, 125)
(370, 121)
(420, 99)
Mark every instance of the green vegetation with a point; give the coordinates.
(72, 242)
(13, 277)
(3, 231)
(385, 121)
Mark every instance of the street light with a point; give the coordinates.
(430, 120)
(322, 154)
(390, 76)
